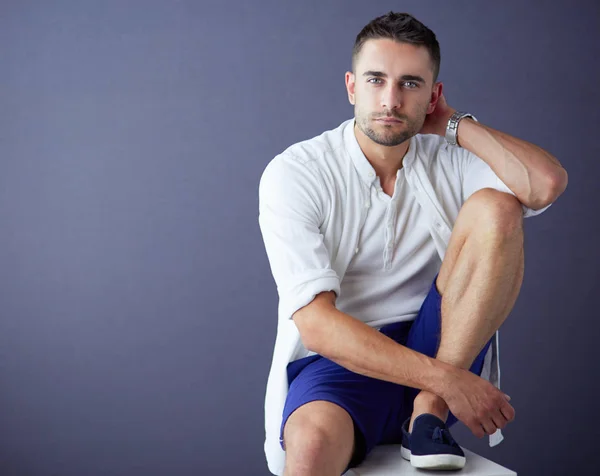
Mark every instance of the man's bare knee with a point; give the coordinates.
(318, 440)
(498, 212)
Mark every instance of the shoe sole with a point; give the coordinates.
(438, 461)
(433, 461)
(405, 453)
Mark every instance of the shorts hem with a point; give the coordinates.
(359, 453)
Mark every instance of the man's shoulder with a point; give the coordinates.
(430, 146)
(327, 146)
(310, 164)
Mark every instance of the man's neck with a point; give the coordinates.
(385, 160)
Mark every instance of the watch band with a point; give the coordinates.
(452, 126)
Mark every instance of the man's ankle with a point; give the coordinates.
(426, 402)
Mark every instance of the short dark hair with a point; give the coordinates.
(401, 27)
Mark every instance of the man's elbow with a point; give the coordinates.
(556, 183)
(307, 332)
(309, 320)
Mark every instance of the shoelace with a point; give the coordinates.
(442, 435)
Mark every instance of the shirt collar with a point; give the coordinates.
(364, 167)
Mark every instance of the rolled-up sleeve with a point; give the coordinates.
(477, 174)
(291, 207)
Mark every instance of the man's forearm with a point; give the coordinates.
(533, 174)
(364, 350)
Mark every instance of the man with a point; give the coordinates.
(396, 243)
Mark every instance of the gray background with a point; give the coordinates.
(137, 309)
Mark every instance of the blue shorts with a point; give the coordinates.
(377, 407)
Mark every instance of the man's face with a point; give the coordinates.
(391, 90)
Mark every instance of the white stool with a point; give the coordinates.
(385, 460)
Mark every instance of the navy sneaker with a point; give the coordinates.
(430, 445)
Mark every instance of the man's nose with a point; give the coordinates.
(391, 98)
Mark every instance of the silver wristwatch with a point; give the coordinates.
(452, 126)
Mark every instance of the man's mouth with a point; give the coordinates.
(388, 120)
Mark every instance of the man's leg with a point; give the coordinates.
(319, 440)
(479, 281)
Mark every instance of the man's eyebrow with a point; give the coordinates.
(405, 77)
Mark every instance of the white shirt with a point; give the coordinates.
(395, 262)
(314, 200)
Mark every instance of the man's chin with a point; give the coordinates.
(390, 140)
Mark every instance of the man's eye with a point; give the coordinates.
(411, 84)
(370, 80)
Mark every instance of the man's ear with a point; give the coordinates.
(350, 84)
(436, 92)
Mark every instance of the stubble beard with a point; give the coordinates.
(389, 136)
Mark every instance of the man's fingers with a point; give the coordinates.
(474, 424)
(499, 420)
(489, 426)
(477, 430)
(508, 411)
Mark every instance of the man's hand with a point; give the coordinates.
(436, 121)
(477, 403)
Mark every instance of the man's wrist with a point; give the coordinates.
(467, 121)
(454, 122)
(441, 378)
